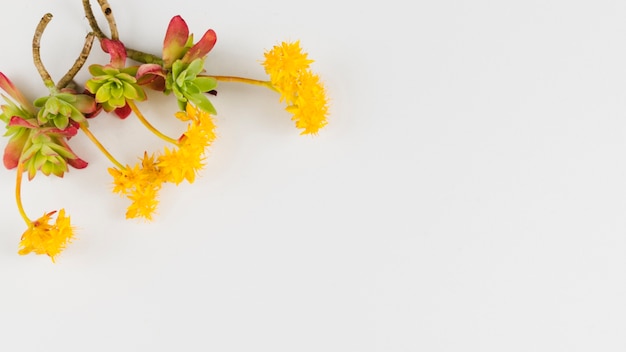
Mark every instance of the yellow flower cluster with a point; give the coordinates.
(42, 237)
(142, 182)
(302, 90)
(184, 162)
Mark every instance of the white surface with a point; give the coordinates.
(468, 194)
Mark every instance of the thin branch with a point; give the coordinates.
(78, 64)
(143, 57)
(92, 20)
(108, 14)
(47, 80)
(133, 54)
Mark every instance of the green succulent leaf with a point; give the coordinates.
(96, 70)
(53, 106)
(190, 89)
(45, 153)
(177, 68)
(195, 67)
(67, 97)
(11, 109)
(40, 102)
(202, 102)
(61, 121)
(115, 87)
(185, 84)
(205, 84)
(59, 108)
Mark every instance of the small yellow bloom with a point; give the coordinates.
(184, 162)
(44, 238)
(144, 202)
(304, 93)
(140, 184)
(285, 62)
(310, 108)
(198, 116)
(125, 179)
(181, 164)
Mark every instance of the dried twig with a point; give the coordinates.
(108, 14)
(47, 80)
(78, 64)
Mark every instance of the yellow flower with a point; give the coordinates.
(141, 185)
(285, 62)
(125, 179)
(44, 238)
(142, 182)
(304, 93)
(181, 164)
(144, 202)
(197, 116)
(310, 108)
(184, 162)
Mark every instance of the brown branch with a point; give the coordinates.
(78, 64)
(108, 14)
(92, 20)
(47, 80)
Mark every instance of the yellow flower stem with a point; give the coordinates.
(101, 147)
(149, 126)
(255, 82)
(18, 194)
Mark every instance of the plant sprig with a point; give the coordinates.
(40, 131)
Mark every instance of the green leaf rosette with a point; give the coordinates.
(112, 87)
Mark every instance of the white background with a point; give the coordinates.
(468, 194)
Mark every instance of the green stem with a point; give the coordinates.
(133, 54)
(143, 57)
(101, 147)
(149, 126)
(18, 194)
(255, 82)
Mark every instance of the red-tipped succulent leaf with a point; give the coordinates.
(13, 92)
(123, 112)
(13, 151)
(152, 76)
(202, 47)
(175, 40)
(116, 49)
